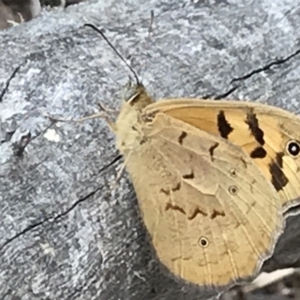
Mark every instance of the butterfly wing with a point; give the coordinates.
(270, 135)
(212, 216)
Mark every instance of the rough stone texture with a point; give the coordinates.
(64, 232)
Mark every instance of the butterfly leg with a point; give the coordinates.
(93, 116)
(109, 122)
(121, 167)
(106, 109)
(121, 170)
(103, 114)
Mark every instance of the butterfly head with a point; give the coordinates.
(135, 96)
(135, 99)
(128, 123)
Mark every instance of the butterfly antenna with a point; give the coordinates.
(115, 50)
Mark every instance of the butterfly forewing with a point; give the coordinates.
(270, 136)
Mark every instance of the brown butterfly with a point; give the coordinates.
(211, 179)
(212, 214)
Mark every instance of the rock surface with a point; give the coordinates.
(65, 233)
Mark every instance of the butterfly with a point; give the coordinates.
(212, 214)
(212, 179)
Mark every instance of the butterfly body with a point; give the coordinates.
(212, 216)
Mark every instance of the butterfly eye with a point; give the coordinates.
(203, 242)
(233, 172)
(233, 190)
(293, 148)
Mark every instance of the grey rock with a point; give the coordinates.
(65, 233)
